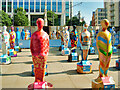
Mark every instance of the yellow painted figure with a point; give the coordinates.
(104, 47)
(12, 38)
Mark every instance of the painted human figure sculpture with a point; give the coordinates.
(17, 36)
(74, 39)
(23, 34)
(66, 37)
(104, 47)
(5, 40)
(39, 48)
(85, 42)
(12, 38)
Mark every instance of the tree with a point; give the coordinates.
(5, 19)
(82, 23)
(52, 16)
(73, 21)
(20, 18)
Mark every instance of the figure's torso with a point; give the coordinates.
(104, 42)
(85, 38)
(40, 43)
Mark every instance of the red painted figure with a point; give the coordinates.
(39, 48)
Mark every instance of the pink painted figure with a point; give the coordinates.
(39, 48)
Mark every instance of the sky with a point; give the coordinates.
(86, 8)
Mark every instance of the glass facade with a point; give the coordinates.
(54, 5)
(9, 5)
(26, 5)
(37, 5)
(48, 5)
(60, 6)
(42, 5)
(4, 5)
(14, 4)
(20, 3)
(31, 5)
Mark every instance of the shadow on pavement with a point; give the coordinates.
(113, 69)
(69, 72)
(24, 74)
(30, 62)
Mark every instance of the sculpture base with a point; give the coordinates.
(107, 83)
(12, 53)
(73, 57)
(17, 48)
(33, 74)
(5, 59)
(66, 51)
(84, 67)
(117, 64)
(61, 48)
(40, 86)
(114, 49)
(91, 51)
(118, 46)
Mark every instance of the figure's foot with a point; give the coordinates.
(98, 80)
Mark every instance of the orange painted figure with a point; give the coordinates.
(104, 47)
(12, 38)
(39, 48)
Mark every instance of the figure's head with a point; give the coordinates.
(74, 27)
(22, 29)
(104, 23)
(9, 31)
(4, 28)
(66, 28)
(12, 28)
(17, 28)
(85, 26)
(40, 23)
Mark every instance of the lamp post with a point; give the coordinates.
(45, 17)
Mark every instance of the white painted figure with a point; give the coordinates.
(5, 40)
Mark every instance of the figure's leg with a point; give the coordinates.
(107, 66)
(39, 65)
(85, 54)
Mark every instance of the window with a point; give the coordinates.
(9, 5)
(42, 5)
(14, 4)
(26, 5)
(31, 5)
(37, 5)
(54, 5)
(67, 6)
(20, 3)
(60, 6)
(4, 5)
(48, 5)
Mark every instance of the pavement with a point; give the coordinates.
(62, 74)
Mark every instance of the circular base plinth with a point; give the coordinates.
(81, 71)
(31, 86)
(5, 63)
(14, 55)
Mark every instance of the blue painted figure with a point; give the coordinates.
(9, 30)
(30, 34)
(23, 34)
(17, 36)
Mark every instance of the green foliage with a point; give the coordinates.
(74, 21)
(20, 18)
(4, 19)
(50, 16)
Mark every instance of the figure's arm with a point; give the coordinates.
(31, 45)
(80, 38)
(109, 45)
(97, 42)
